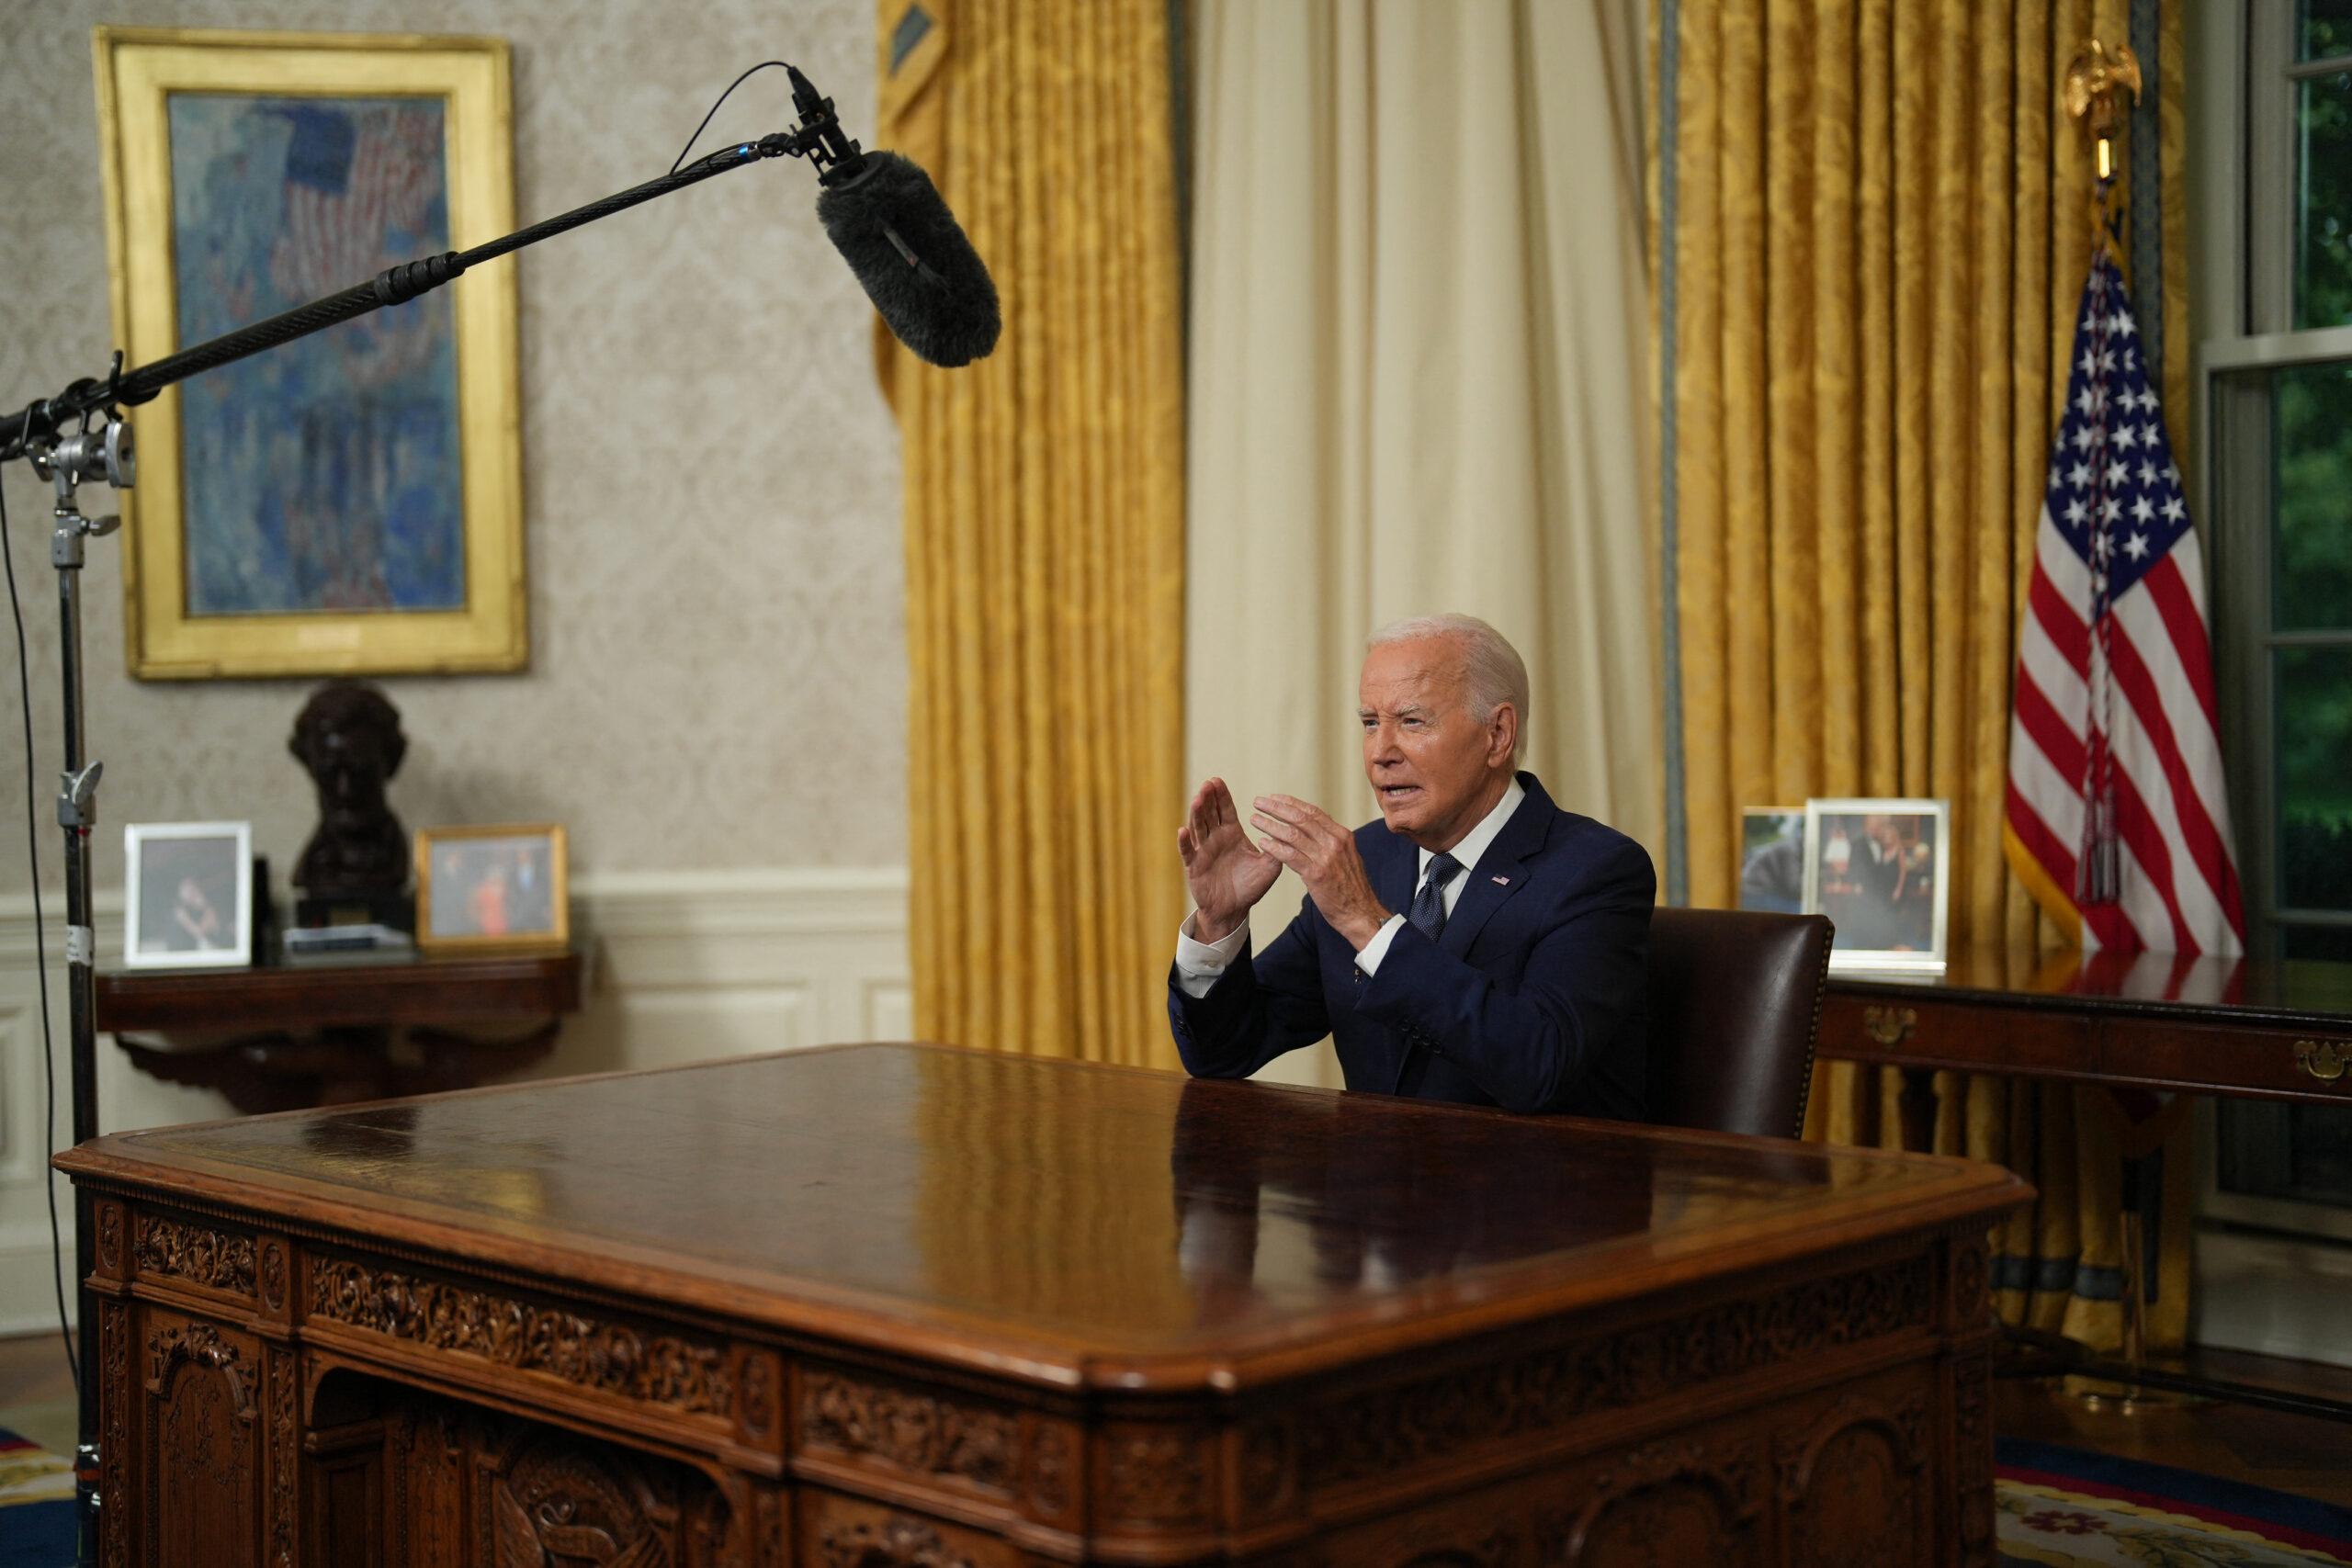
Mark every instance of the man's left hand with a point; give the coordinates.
(1306, 839)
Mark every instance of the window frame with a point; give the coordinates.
(2246, 165)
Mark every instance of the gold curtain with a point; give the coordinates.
(1878, 229)
(1044, 508)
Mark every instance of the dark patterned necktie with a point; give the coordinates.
(1427, 913)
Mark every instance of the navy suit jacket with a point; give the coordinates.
(1534, 997)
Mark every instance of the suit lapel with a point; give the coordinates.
(1393, 880)
(1499, 874)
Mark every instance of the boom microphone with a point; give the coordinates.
(890, 224)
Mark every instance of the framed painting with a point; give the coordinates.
(350, 503)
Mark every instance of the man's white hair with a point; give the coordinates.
(1492, 671)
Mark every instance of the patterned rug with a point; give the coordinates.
(2060, 1507)
(36, 1506)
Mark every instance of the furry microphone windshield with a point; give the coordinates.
(891, 226)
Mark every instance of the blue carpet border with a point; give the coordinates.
(2192, 1487)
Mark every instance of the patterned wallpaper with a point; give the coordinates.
(718, 669)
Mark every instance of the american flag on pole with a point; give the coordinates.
(2118, 820)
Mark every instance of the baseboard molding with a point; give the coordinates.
(17, 944)
(28, 1301)
(2272, 1295)
(683, 966)
(819, 900)
(868, 901)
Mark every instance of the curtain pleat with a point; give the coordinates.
(1880, 227)
(1043, 520)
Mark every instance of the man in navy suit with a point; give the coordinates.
(1476, 944)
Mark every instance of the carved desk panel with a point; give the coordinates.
(909, 1307)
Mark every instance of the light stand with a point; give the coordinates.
(57, 436)
(102, 454)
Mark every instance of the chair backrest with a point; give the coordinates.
(1735, 1008)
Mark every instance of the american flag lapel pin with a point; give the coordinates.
(1502, 882)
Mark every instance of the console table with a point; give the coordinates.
(898, 1306)
(2237, 1027)
(275, 1037)
(2267, 1031)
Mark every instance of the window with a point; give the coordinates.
(2278, 397)
(2319, 77)
(2275, 356)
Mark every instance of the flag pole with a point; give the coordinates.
(2100, 87)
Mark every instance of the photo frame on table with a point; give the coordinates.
(350, 503)
(188, 895)
(503, 886)
(1877, 868)
(1771, 858)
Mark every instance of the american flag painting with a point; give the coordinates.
(325, 476)
(2118, 818)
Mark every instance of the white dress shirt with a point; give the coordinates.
(1198, 963)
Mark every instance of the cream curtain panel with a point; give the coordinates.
(1419, 383)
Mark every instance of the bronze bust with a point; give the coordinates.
(348, 736)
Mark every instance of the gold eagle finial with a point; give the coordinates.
(2101, 85)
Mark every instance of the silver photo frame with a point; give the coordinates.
(1771, 858)
(1879, 868)
(188, 898)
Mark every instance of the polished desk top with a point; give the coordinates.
(1068, 1225)
(2294, 994)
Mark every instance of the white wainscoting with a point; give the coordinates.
(684, 966)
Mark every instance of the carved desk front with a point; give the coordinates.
(896, 1306)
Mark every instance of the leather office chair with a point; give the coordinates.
(1735, 1008)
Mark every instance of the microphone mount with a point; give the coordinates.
(819, 137)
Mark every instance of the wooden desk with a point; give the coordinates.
(272, 1037)
(895, 1306)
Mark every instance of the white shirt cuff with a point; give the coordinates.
(1198, 963)
(1368, 959)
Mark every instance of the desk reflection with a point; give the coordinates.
(1281, 1196)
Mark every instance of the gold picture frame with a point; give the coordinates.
(501, 888)
(277, 579)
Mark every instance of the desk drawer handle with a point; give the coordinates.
(1889, 1027)
(2327, 1060)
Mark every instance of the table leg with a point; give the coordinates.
(1918, 1106)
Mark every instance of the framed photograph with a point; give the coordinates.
(188, 895)
(492, 887)
(351, 503)
(1771, 858)
(1876, 868)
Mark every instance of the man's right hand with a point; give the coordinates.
(1226, 872)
